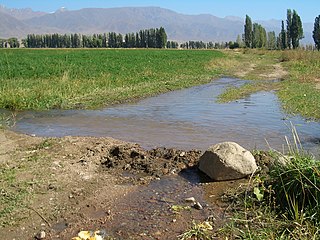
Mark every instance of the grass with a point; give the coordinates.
(20, 181)
(7, 120)
(234, 93)
(12, 196)
(299, 92)
(255, 65)
(284, 204)
(64, 79)
(200, 231)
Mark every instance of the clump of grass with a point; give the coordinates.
(7, 120)
(297, 184)
(283, 204)
(200, 231)
(12, 195)
(235, 93)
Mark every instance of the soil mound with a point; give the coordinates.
(156, 162)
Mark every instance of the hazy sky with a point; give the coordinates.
(256, 9)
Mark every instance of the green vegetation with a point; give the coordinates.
(7, 120)
(282, 203)
(20, 181)
(299, 91)
(12, 194)
(200, 231)
(255, 35)
(316, 32)
(149, 38)
(46, 79)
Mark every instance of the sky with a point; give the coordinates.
(256, 9)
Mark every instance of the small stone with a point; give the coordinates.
(41, 235)
(182, 154)
(198, 206)
(190, 200)
(174, 220)
(211, 218)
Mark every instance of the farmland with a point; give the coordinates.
(64, 79)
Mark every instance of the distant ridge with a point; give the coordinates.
(179, 27)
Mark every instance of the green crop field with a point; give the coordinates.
(91, 78)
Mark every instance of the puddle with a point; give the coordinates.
(184, 119)
(147, 213)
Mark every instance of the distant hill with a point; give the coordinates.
(21, 14)
(179, 27)
(10, 26)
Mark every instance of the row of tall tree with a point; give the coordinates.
(255, 36)
(149, 38)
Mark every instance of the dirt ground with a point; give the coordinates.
(64, 185)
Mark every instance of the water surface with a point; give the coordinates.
(189, 118)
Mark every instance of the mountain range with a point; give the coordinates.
(179, 27)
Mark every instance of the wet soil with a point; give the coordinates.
(85, 183)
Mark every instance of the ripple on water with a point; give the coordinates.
(189, 118)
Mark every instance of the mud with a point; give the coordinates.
(84, 183)
(155, 163)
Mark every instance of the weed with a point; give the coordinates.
(200, 231)
(7, 119)
(285, 204)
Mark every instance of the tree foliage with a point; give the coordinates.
(289, 27)
(149, 38)
(272, 41)
(296, 30)
(248, 32)
(283, 38)
(316, 32)
(259, 36)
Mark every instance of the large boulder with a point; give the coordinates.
(227, 161)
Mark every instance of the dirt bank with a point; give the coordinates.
(64, 185)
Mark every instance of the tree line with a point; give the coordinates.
(255, 35)
(149, 38)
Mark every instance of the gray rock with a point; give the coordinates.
(227, 161)
(41, 235)
(198, 206)
(190, 200)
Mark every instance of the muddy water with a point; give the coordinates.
(189, 118)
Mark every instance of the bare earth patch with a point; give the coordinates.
(83, 183)
(278, 72)
(245, 71)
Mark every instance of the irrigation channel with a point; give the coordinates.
(185, 119)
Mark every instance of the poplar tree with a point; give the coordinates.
(289, 28)
(296, 30)
(248, 32)
(283, 37)
(272, 41)
(316, 32)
